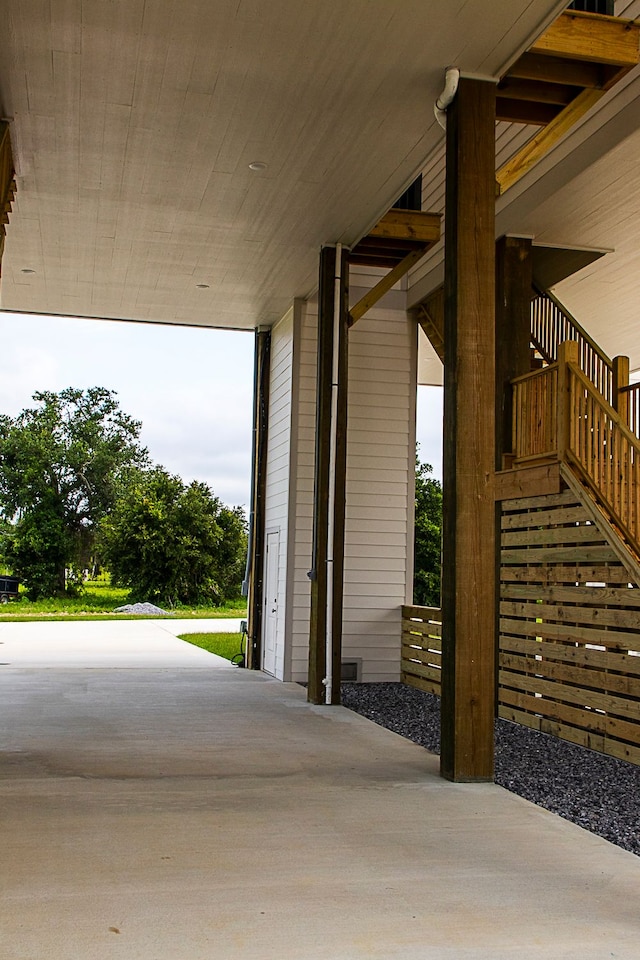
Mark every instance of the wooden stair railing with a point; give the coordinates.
(552, 324)
(630, 396)
(559, 414)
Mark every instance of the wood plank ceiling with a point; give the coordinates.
(134, 123)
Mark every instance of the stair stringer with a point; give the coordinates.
(605, 524)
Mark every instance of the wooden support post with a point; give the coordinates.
(620, 398)
(253, 658)
(514, 291)
(567, 353)
(468, 607)
(330, 479)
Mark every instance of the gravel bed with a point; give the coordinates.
(599, 793)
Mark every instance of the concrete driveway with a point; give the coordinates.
(159, 804)
(110, 643)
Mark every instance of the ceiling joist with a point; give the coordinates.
(394, 236)
(397, 242)
(592, 37)
(563, 74)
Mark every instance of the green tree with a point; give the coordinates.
(173, 543)
(59, 467)
(428, 537)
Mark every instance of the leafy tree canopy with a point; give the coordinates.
(428, 537)
(60, 462)
(173, 543)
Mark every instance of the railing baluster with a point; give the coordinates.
(551, 326)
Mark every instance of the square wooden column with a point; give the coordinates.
(327, 571)
(514, 291)
(468, 570)
(262, 369)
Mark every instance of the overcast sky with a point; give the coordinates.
(191, 388)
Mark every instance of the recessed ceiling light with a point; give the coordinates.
(202, 286)
(27, 270)
(257, 165)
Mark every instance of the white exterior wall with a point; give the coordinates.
(380, 489)
(279, 438)
(302, 488)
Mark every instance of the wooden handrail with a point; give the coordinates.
(607, 454)
(552, 324)
(559, 412)
(631, 392)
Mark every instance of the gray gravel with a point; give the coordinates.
(596, 792)
(146, 609)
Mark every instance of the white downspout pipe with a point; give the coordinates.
(451, 79)
(333, 442)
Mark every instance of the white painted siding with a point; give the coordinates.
(278, 464)
(379, 504)
(302, 479)
(380, 489)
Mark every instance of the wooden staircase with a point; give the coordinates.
(580, 412)
(576, 418)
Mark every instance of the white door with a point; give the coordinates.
(270, 604)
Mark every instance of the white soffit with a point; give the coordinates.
(135, 121)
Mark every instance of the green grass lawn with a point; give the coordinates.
(226, 645)
(97, 602)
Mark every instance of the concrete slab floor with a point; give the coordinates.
(177, 811)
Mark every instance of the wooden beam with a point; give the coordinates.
(468, 607)
(408, 225)
(520, 164)
(575, 73)
(384, 285)
(526, 111)
(536, 481)
(560, 94)
(430, 316)
(514, 289)
(374, 260)
(591, 37)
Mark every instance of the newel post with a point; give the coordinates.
(620, 378)
(567, 353)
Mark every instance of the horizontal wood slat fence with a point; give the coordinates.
(569, 628)
(569, 646)
(422, 648)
